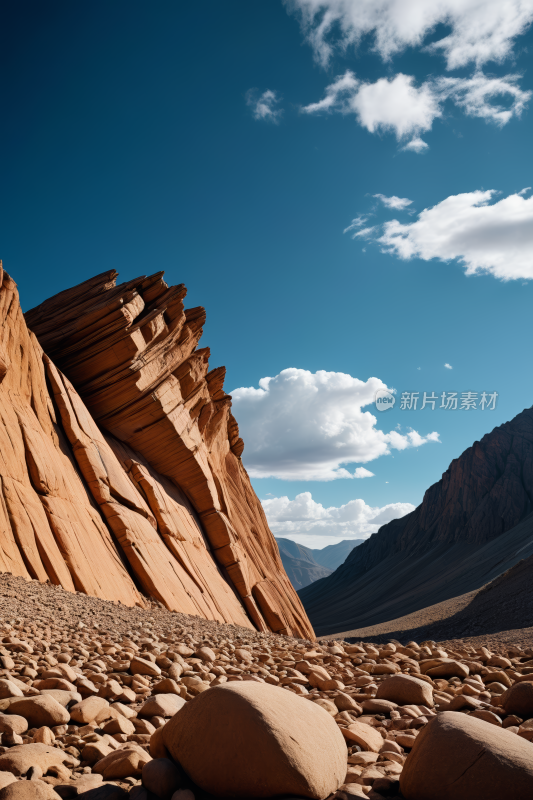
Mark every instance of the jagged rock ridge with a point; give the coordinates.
(91, 491)
(428, 555)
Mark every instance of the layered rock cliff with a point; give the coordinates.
(120, 459)
(443, 548)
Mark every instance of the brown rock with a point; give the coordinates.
(125, 762)
(456, 757)
(6, 778)
(246, 738)
(18, 760)
(518, 700)
(40, 710)
(162, 777)
(404, 689)
(11, 723)
(157, 744)
(28, 790)
(363, 735)
(88, 710)
(162, 705)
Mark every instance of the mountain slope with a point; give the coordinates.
(436, 552)
(299, 564)
(334, 555)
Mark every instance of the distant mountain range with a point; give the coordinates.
(305, 565)
(472, 525)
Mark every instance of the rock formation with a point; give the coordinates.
(472, 525)
(136, 487)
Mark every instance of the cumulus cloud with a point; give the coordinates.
(494, 238)
(301, 425)
(399, 203)
(395, 105)
(448, 366)
(478, 30)
(264, 106)
(304, 517)
(399, 106)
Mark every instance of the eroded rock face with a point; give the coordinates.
(149, 499)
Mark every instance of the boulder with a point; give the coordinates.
(88, 709)
(9, 689)
(404, 689)
(28, 790)
(40, 710)
(449, 669)
(248, 739)
(19, 759)
(162, 777)
(141, 666)
(162, 705)
(457, 757)
(12, 723)
(125, 762)
(157, 745)
(6, 778)
(518, 700)
(367, 737)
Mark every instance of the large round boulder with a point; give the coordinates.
(518, 700)
(457, 757)
(247, 739)
(406, 690)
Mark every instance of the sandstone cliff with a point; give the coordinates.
(121, 474)
(466, 531)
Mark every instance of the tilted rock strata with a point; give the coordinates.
(131, 353)
(124, 663)
(483, 496)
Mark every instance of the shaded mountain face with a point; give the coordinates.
(334, 555)
(299, 564)
(123, 479)
(430, 554)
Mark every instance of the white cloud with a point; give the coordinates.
(489, 238)
(478, 30)
(473, 95)
(264, 106)
(395, 105)
(417, 145)
(399, 203)
(301, 425)
(303, 518)
(399, 106)
(356, 223)
(448, 366)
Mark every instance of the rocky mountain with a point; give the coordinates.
(120, 469)
(334, 555)
(469, 528)
(304, 565)
(299, 564)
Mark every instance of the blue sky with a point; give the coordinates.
(231, 144)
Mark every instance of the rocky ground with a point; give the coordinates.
(88, 687)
